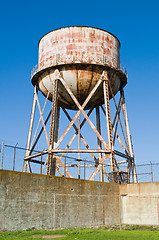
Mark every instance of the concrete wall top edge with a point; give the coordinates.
(60, 185)
(70, 179)
(140, 188)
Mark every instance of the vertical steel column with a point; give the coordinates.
(14, 156)
(57, 124)
(134, 175)
(27, 152)
(151, 171)
(41, 170)
(51, 166)
(2, 154)
(84, 170)
(109, 124)
(99, 142)
(65, 168)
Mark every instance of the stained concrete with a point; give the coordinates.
(140, 203)
(47, 202)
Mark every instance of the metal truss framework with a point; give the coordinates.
(105, 150)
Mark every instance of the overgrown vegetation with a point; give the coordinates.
(128, 232)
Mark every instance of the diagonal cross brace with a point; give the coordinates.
(72, 139)
(42, 120)
(81, 109)
(39, 121)
(76, 129)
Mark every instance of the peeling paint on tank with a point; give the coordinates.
(81, 54)
(93, 42)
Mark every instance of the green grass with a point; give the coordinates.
(112, 233)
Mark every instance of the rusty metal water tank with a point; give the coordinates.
(80, 54)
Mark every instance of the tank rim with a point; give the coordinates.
(80, 27)
(123, 76)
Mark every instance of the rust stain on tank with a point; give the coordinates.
(79, 39)
(80, 54)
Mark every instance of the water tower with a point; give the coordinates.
(79, 69)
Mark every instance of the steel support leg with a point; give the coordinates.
(51, 166)
(27, 152)
(109, 125)
(130, 148)
(99, 142)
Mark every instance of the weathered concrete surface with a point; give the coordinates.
(46, 202)
(140, 203)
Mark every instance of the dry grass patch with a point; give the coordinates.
(48, 236)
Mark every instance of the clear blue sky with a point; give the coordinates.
(135, 23)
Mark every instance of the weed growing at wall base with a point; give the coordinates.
(112, 233)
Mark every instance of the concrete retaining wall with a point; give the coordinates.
(140, 203)
(46, 202)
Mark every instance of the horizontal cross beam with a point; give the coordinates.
(123, 155)
(68, 151)
(107, 151)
